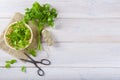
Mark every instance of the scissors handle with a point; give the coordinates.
(45, 62)
(40, 72)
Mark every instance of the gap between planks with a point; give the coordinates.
(59, 67)
(84, 30)
(9, 17)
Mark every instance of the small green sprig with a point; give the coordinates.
(32, 52)
(8, 63)
(23, 69)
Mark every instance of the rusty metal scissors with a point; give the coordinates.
(42, 61)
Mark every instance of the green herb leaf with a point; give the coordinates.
(13, 61)
(7, 65)
(23, 69)
(32, 52)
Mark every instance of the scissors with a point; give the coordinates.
(40, 72)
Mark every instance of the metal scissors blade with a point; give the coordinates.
(43, 61)
(26, 60)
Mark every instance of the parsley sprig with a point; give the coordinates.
(8, 63)
(42, 15)
(32, 52)
(23, 69)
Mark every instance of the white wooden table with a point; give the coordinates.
(87, 36)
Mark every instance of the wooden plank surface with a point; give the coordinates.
(77, 55)
(67, 8)
(87, 41)
(82, 30)
(63, 74)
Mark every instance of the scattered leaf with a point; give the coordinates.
(23, 69)
(7, 65)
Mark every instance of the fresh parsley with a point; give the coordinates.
(32, 52)
(23, 69)
(8, 63)
(43, 15)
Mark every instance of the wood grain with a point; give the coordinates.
(82, 30)
(67, 8)
(62, 74)
(77, 55)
